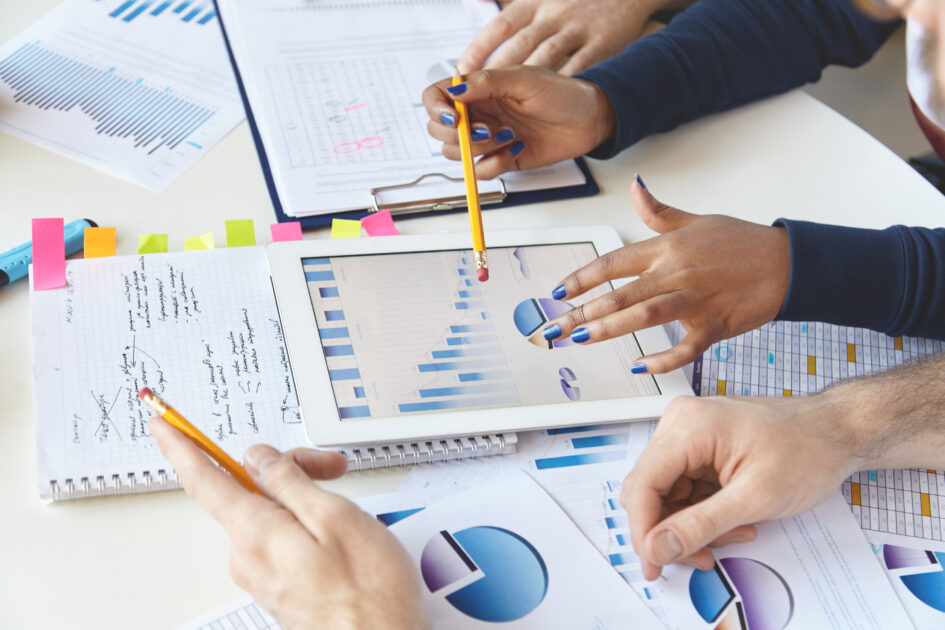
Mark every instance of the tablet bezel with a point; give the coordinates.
(310, 370)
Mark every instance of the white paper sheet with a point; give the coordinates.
(916, 569)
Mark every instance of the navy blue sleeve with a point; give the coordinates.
(719, 54)
(890, 280)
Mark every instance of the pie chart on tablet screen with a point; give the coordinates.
(487, 573)
(742, 593)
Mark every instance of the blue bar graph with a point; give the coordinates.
(468, 377)
(138, 10)
(468, 306)
(333, 333)
(328, 292)
(469, 294)
(339, 351)
(354, 412)
(618, 521)
(358, 392)
(464, 403)
(460, 390)
(468, 341)
(319, 276)
(316, 261)
(121, 8)
(334, 316)
(390, 518)
(179, 10)
(615, 439)
(465, 352)
(471, 328)
(580, 460)
(347, 374)
(446, 366)
(581, 429)
(623, 557)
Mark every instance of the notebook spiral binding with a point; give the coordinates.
(442, 450)
(360, 458)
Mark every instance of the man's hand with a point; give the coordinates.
(717, 275)
(522, 118)
(568, 35)
(299, 550)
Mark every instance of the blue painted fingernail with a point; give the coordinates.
(552, 332)
(516, 148)
(580, 335)
(456, 90)
(480, 133)
(448, 119)
(638, 368)
(504, 135)
(559, 293)
(642, 185)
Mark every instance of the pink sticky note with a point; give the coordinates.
(379, 224)
(291, 231)
(49, 254)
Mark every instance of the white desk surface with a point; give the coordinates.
(155, 561)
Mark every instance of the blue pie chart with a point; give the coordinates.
(926, 580)
(742, 593)
(488, 573)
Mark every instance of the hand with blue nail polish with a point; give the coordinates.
(553, 117)
(717, 275)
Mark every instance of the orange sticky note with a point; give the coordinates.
(49, 254)
(152, 243)
(291, 231)
(99, 242)
(344, 228)
(379, 224)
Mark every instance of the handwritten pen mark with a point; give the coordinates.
(106, 414)
(351, 107)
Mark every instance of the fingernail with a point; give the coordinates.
(580, 335)
(638, 368)
(642, 185)
(504, 135)
(259, 458)
(448, 119)
(559, 293)
(517, 148)
(552, 332)
(456, 90)
(480, 133)
(666, 547)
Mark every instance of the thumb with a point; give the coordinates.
(690, 530)
(657, 215)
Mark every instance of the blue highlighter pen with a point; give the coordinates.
(15, 263)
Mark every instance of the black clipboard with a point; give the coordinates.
(588, 189)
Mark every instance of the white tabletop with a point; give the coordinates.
(155, 561)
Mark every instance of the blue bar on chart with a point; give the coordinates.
(328, 292)
(580, 460)
(320, 276)
(468, 306)
(462, 403)
(339, 351)
(334, 316)
(346, 374)
(389, 518)
(622, 540)
(138, 10)
(459, 390)
(340, 332)
(316, 261)
(191, 15)
(359, 392)
(354, 412)
(618, 521)
(180, 7)
(469, 377)
(159, 9)
(121, 8)
(461, 365)
(471, 328)
(623, 557)
(468, 341)
(581, 429)
(612, 504)
(209, 16)
(613, 439)
(465, 352)
(469, 294)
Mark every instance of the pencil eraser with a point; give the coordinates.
(144, 392)
(482, 274)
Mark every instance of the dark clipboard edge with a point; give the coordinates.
(588, 189)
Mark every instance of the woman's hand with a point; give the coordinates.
(717, 275)
(522, 118)
(299, 550)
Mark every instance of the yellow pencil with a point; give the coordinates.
(205, 444)
(472, 190)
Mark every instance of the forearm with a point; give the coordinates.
(719, 54)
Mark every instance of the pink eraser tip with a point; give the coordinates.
(482, 274)
(144, 392)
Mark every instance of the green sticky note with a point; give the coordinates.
(152, 243)
(240, 233)
(204, 241)
(343, 228)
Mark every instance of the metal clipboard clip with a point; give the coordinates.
(433, 205)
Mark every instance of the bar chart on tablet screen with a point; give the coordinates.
(137, 88)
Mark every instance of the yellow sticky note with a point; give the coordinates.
(99, 242)
(204, 241)
(343, 228)
(240, 233)
(152, 243)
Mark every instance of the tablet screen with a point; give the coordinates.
(416, 332)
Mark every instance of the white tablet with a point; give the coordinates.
(393, 339)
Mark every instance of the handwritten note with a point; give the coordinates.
(99, 242)
(184, 324)
(379, 224)
(204, 241)
(344, 228)
(152, 243)
(49, 254)
(291, 231)
(240, 233)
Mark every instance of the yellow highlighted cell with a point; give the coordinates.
(855, 493)
(926, 508)
(787, 392)
(897, 343)
(812, 365)
(851, 353)
(722, 386)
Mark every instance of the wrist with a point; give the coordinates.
(604, 116)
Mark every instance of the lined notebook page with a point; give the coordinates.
(199, 328)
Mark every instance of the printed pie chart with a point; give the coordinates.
(742, 593)
(487, 573)
(530, 317)
(926, 580)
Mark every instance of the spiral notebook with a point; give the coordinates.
(201, 327)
